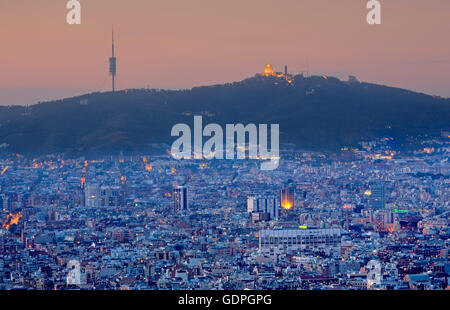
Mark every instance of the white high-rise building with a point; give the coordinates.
(377, 199)
(263, 205)
(180, 198)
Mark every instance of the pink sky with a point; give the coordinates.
(180, 43)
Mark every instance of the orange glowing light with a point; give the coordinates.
(148, 167)
(287, 205)
(4, 170)
(268, 70)
(85, 163)
(13, 219)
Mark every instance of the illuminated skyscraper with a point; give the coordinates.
(180, 199)
(266, 207)
(377, 197)
(287, 198)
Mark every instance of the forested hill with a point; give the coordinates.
(313, 113)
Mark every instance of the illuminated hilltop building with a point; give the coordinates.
(270, 72)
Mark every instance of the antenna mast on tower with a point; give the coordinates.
(112, 64)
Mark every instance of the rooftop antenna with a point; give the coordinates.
(112, 64)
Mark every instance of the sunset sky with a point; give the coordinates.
(180, 44)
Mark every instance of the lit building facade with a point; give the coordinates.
(104, 196)
(263, 208)
(293, 240)
(180, 198)
(287, 198)
(377, 199)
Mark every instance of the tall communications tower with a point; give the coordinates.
(112, 64)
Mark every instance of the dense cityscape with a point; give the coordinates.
(366, 218)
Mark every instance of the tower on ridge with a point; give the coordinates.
(112, 64)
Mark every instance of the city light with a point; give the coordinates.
(13, 219)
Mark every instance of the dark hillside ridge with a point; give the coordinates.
(314, 113)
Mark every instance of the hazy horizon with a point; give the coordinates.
(175, 44)
(35, 96)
